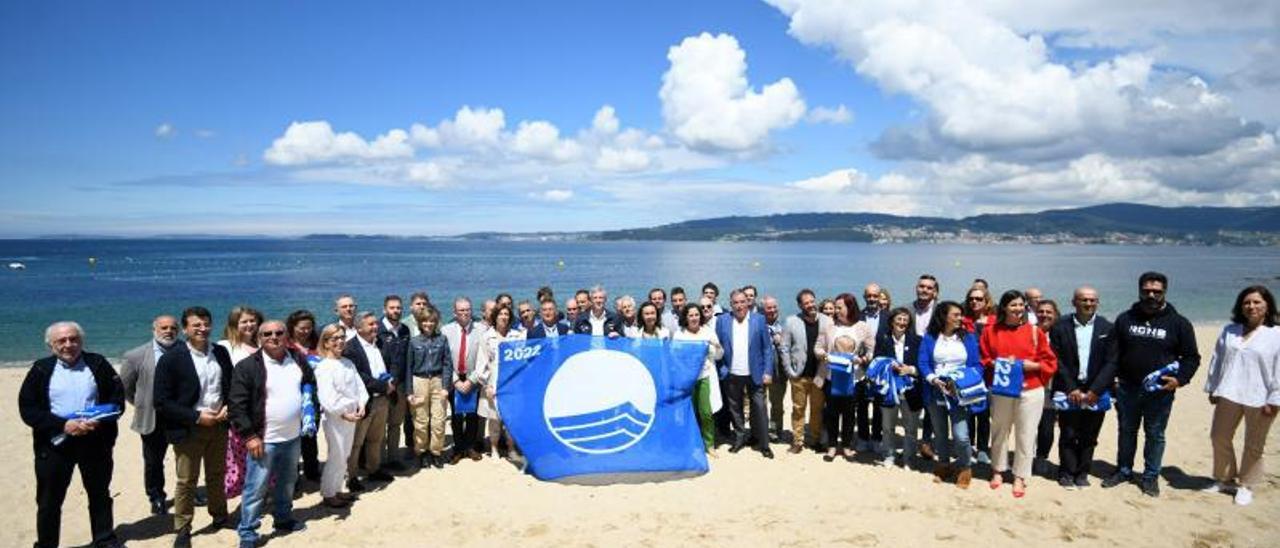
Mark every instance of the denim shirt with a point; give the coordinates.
(429, 356)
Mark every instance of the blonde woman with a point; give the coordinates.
(486, 374)
(342, 396)
(240, 338)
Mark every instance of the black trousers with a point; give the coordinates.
(867, 413)
(1076, 442)
(837, 418)
(1044, 433)
(740, 388)
(154, 447)
(311, 457)
(466, 431)
(54, 467)
(980, 430)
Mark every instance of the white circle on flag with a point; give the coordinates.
(600, 401)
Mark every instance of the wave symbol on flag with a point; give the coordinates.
(600, 401)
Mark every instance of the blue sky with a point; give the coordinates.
(140, 118)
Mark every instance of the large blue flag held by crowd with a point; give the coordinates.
(594, 410)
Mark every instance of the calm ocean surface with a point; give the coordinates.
(134, 280)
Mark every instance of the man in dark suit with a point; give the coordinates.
(872, 312)
(192, 386)
(138, 375)
(1084, 373)
(363, 351)
(746, 368)
(597, 320)
(55, 387)
(547, 324)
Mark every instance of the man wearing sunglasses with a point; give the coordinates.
(266, 410)
(1145, 339)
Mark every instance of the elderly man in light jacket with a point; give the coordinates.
(802, 334)
(138, 374)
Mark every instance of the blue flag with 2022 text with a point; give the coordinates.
(588, 409)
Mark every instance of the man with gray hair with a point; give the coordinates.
(598, 321)
(629, 324)
(778, 389)
(465, 337)
(138, 376)
(365, 352)
(55, 388)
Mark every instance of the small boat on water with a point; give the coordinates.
(17, 266)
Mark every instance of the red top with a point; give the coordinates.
(971, 324)
(1002, 341)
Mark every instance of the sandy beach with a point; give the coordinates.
(745, 500)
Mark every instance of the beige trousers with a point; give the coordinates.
(806, 394)
(1022, 415)
(428, 416)
(369, 434)
(1226, 420)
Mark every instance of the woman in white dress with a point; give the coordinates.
(1244, 384)
(706, 393)
(342, 396)
(486, 374)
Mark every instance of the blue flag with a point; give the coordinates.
(842, 369)
(1007, 378)
(594, 410)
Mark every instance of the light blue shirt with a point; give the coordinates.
(1084, 342)
(71, 388)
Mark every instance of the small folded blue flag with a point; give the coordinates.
(1007, 378)
(842, 369)
(1152, 381)
(466, 402)
(385, 376)
(99, 412)
(309, 424)
(889, 385)
(1061, 403)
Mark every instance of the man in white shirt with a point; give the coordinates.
(598, 321)
(364, 352)
(344, 307)
(1080, 341)
(191, 391)
(926, 297)
(1033, 295)
(465, 338)
(746, 369)
(266, 410)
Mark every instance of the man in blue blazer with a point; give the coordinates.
(746, 368)
(547, 324)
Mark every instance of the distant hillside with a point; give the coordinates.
(1109, 223)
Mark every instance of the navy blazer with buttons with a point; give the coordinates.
(1099, 372)
(759, 346)
(539, 330)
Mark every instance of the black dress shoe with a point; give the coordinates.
(737, 446)
(768, 453)
(183, 540)
(201, 498)
(381, 476)
(355, 485)
(157, 507)
(437, 461)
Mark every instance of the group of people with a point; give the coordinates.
(976, 381)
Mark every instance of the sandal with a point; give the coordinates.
(1019, 488)
(997, 480)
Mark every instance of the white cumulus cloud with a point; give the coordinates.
(828, 115)
(316, 142)
(708, 103)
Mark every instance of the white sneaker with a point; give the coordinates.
(886, 460)
(1216, 488)
(983, 458)
(1243, 496)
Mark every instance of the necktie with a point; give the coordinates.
(462, 354)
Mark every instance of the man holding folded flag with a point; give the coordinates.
(58, 389)
(1151, 342)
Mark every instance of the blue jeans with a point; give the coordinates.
(957, 443)
(1151, 410)
(281, 461)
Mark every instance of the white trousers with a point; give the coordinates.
(1022, 415)
(339, 433)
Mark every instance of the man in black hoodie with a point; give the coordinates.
(1146, 338)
